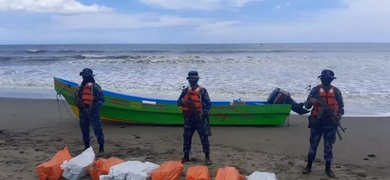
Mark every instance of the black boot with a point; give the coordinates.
(186, 158)
(307, 169)
(207, 159)
(328, 171)
(86, 145)
(101, 150)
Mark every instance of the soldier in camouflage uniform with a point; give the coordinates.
(89, 98)
(321, 122)
(201, 99)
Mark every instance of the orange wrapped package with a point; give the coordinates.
(198, 173)
(168, 170)
(228, 173)
(51, 170)
(102, 166)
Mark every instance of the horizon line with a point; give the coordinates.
(5, 44)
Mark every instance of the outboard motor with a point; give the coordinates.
(279, 96)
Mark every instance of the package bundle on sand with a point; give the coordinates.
(102, 166)
(130, 170)
(78, 167)
(198, 173)
(52, 169)
(168, 170)
(228, 173)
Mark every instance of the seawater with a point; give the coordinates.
(228, 71)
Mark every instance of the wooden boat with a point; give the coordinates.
(141, 110)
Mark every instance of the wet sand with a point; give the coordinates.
(281, 150)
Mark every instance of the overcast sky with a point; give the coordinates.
(193, 21)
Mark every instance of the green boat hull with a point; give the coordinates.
(121, 108)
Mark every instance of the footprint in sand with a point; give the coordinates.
(361, 174)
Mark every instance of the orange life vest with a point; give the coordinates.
(195, 96)
(87, 95)
(329, 97)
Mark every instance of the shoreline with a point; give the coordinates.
(278, 149)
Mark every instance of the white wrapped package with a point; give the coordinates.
(130, 170)
(106, 177)
(77, 167)
(261, 176)
(142, 172)
(119, 171)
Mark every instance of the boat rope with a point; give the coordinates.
(63, 102)
(70, 114)
(59, 97)
(59, 124)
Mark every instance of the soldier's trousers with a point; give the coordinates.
(190, 125)
(328, 132)
(94, 120)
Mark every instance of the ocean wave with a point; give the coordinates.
(146, 51)
(156, 51)
(253, 51)
(107, 58)
(66, 58)
(234, 51)
(63, 51)
(36, 50)
(27, 59)
(145, 58)
(94, 56)
(192, 59)
(5, 58)
(72, 51)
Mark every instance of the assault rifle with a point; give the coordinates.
(198, 115)
(208, 125)
(325, 107)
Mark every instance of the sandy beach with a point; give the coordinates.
(281, 150)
